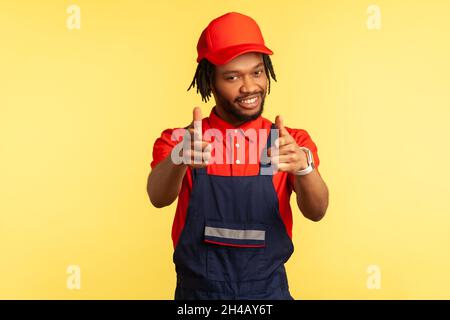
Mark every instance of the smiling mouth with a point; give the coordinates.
(249, 103)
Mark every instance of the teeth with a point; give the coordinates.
(249, 101)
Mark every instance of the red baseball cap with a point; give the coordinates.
(229, 36)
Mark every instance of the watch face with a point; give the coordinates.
(310, 157)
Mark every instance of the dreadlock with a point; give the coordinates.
(204, 76)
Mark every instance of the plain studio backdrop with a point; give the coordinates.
(87, 86)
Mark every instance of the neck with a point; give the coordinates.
(228, 117)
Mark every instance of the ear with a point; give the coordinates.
(212, 85)
(267, 85)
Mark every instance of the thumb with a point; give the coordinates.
(197, 114)
(197, 122)
(280, 125)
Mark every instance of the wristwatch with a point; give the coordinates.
(310, 166)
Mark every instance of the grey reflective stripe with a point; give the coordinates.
(235, 234)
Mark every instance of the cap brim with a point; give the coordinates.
(226, 55)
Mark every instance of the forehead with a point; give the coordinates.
(244, 62)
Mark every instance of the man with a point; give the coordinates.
(233, 224)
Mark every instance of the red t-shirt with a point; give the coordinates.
(241, 162)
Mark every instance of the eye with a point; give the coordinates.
(258, 73)
(231, 78)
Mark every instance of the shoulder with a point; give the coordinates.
(303, 139)
(169, 137)
(301, 136)
(164, 144)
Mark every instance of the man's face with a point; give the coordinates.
(240, 87)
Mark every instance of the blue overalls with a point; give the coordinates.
(234, 244)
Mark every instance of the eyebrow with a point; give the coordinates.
(237, 71)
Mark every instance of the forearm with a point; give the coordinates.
(164, 182)
(312, 195)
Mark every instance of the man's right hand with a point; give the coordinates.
(196, 151)
(165, 180)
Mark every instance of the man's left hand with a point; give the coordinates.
(286, 155)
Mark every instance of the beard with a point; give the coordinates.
(235, 112)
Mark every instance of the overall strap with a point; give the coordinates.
(264, 162)
(198, 171)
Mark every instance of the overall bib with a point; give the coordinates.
(234, 244)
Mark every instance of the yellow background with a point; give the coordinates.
(81, 109)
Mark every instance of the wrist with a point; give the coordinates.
(310, 163)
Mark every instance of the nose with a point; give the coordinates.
(248, 85)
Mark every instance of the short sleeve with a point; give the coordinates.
(163, 147)
(303, 139)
